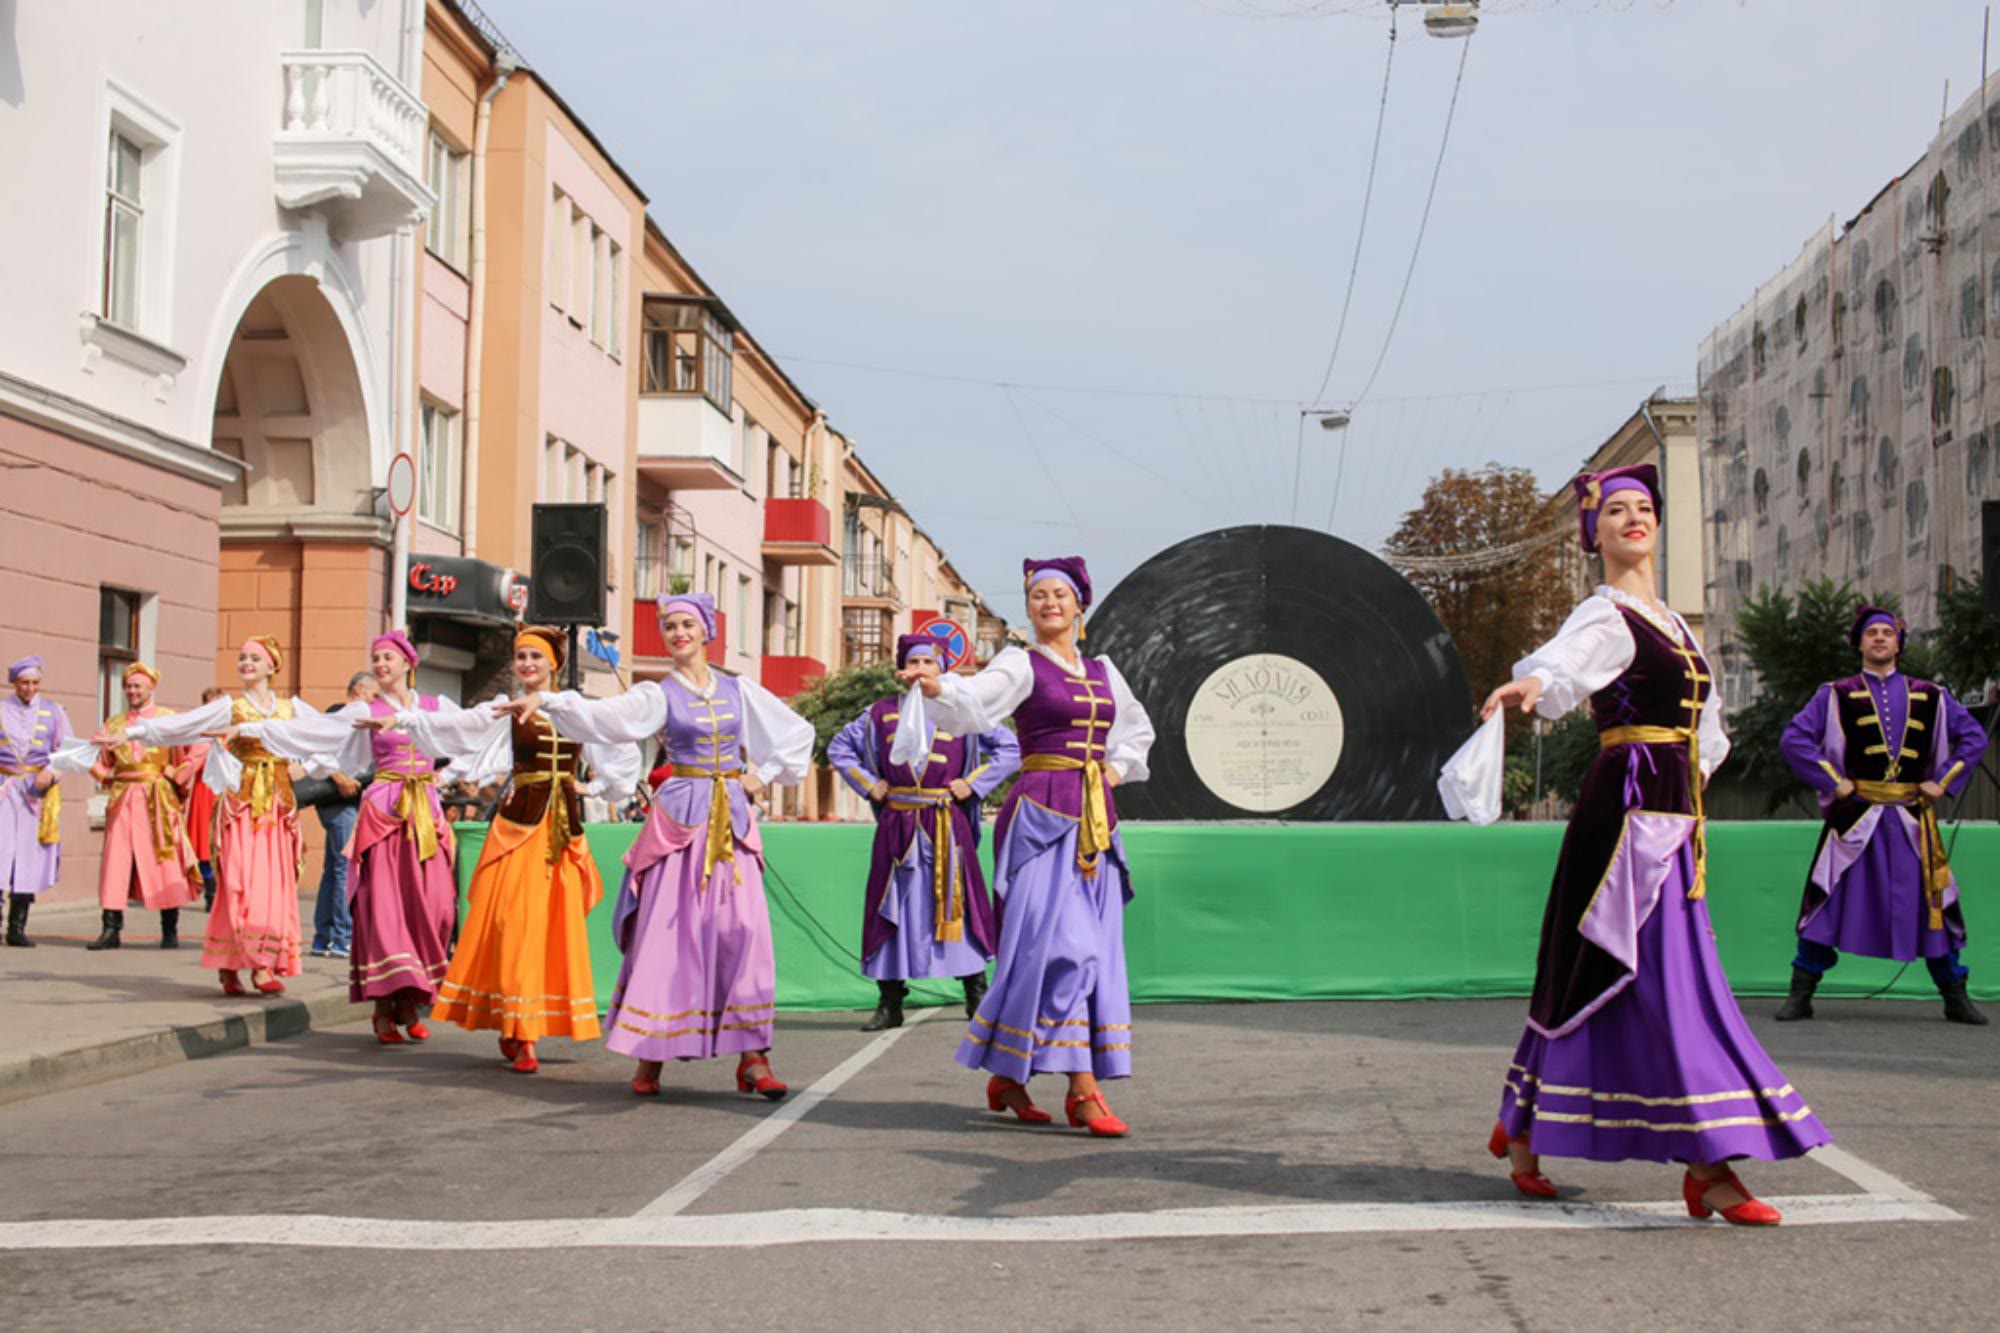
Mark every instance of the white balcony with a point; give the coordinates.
(351, 144)
(685, 444)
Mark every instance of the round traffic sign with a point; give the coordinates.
(953, 647)
(402, 484)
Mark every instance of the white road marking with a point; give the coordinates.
(710, 1173)
(1879, 1182)
(801, 1226)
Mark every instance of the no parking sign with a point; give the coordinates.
(954, 648)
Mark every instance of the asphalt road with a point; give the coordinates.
(1272, 1113)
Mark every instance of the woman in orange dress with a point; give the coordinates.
(522, 967)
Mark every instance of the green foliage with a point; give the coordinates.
(1568, 746)
(1796, 644)
(1965, 647)
(833, 702)
(679, 583)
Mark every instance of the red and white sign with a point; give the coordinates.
(402, 485)
(954, 647)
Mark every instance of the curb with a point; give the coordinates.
(84, 1065)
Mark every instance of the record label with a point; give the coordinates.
(1264, 732)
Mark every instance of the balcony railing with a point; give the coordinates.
(798, 532)
(868, 577)
(350, 141)
(786, 676)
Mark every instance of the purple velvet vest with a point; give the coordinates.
(704, 733)
(947, 756)
(1068, 717)
(1882, 744)
(395, 754)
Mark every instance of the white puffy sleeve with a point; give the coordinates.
(1714, 740)
(967, 705)
(1131, 736)
(182, 728)
(324, 742)
(636, 715)
(476, 743)
(775, 739)
(1592, 649)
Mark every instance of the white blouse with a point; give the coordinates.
(221, 772)
(477, 745)
(1594, 647)
(967, 705)
(775, 739)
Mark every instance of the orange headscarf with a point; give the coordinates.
(268, 645)
(544, 639)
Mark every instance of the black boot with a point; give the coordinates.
(975, 991)
(170, 928)
(888, 1013)
(1798, 1004)
(1958, 1007)
(114, 922)
(17, 922)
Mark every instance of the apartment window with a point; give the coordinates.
(117, 646)
(687, 349)
(612, 524)
(559, 250)
(720, 588)
(648, 575)
(124, 214)
(680, 558)
(552, 464)
(600, 285)
(439, 459)
(448, 233)
(707, 575)
(742, 635)
(578, 304)
(864, 634)
(615, 316)
(781, 626)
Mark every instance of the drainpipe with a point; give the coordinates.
(403, 290)
(1646, 411)
(475, 317)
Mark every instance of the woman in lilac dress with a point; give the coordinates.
(1635, 1047)
(401, 881)
(1058, 1001)
(699, 979)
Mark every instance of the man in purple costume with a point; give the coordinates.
(937, 920)
(1882, 750)
(31, 729)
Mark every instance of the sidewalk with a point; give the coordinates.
(75, 1017)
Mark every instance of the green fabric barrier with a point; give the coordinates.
(1317, 911)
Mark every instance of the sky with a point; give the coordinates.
(1068, 271)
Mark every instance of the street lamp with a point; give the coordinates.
(1446, 18)
(1329, 419)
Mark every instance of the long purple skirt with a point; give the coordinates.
(1667, 1070)
(403, 908)
(1877, 906)
(1059, 1002)
(909, 902)
(700, 978)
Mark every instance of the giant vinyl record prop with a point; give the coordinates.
(1289, 675)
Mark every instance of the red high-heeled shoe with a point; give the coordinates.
(385, 1030)
(644, 1083)
(1106, 1126)
(271, 987)
(1531, 1183)
(1752, 1212)
(1027, 1112)
(524, 1058)
(417, 1030)
(231, 983)
(762, 1084)
(509, 1048)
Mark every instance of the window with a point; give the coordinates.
(439, 458)
(600, 284)
(615, 342)
(864, 635)
(611, 527)
(124, 214)
(552, 478)
(742, 635)
(754, 438)
(687, 349)
(648, 578)
(680, 558)
(781, 626)
(559, 250)
(578, 302)
(117, 646)
(707, 575)
(447, 234)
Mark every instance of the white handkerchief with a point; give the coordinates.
(1470, 782)
(75, 757)
(912, 742)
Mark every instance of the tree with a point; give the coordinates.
(1497, 613)
(1965, 647)
(834, 701)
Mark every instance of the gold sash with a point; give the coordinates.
(1674, 736)
(1094, 832)
(947, 883)
(558, 812)
(413, 807)
(48, 829)
(1937, 873)
(163, 803)
(721, 829)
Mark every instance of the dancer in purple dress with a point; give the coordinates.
(699, 979)
(32, 728)
(1058, 1002)
(400, 880)
(923, 916)
(1635, 1047)
(1882, 750)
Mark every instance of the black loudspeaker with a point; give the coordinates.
(1989, 554)
(566, 578)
